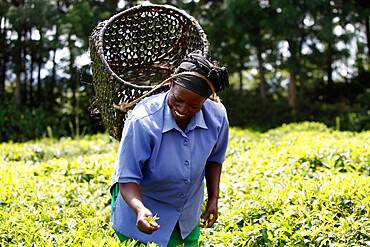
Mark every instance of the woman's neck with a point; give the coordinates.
(183, 123)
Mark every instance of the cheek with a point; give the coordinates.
(173, 105)
(194, 111)
(171, 102)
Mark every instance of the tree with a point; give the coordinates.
(228, 40)
(18, 22)
(253, 20)
(78, 21)
(289, 27)
(4, 43)
(357, 12)
(44, 18)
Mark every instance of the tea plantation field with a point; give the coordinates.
(297, 185)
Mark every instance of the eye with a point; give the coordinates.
(176, 99)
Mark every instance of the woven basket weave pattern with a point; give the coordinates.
(135, 50)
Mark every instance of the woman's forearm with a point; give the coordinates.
(132, 196)
(213, 174)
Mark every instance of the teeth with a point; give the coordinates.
(178, 114)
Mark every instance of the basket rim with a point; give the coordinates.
(100, 48)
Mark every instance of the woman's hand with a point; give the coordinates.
(132, 196)
(209, 217)
(212, 174)
(143, 224)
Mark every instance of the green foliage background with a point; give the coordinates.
(289, 61)
(296, 185)
(248, 110)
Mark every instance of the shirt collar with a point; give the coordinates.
(169, 123)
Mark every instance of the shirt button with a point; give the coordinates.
(185, 143)
(178, 209)
(187, 163)
(182, 196)
(186, 181)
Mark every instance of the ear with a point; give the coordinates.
(171, 84)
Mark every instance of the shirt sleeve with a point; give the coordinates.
(133, 151)
(218, 153)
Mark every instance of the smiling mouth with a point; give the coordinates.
(178, 114)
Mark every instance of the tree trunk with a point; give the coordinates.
(329, 67)
(294, 48)
(368, 37)
(18, 64)
(292, 92)
(53, 72)
(39, 66)
(2, 75)
(262, 73)
(24, 79)
(30, 93)
(17, 92)
(4, 59)
(74, 83)
(77, 117)
(240, 73)
(39, 85)
(240, 80)
(50, 97)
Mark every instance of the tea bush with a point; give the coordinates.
(297, 185)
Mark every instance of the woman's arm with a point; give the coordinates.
(132, 196)
(212, 174)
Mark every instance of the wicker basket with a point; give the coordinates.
(135, 50)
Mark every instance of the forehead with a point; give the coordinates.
(187, 95)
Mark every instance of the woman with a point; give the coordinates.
(170, 142)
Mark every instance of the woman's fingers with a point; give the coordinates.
(145, 222)
(209, 217)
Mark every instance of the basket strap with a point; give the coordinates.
(201, 76)
(126, 106)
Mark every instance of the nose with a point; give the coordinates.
(183, 109)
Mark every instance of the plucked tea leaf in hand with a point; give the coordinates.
(150, 220)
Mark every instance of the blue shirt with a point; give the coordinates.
(168, 164)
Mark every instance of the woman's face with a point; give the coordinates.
(183, 102)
